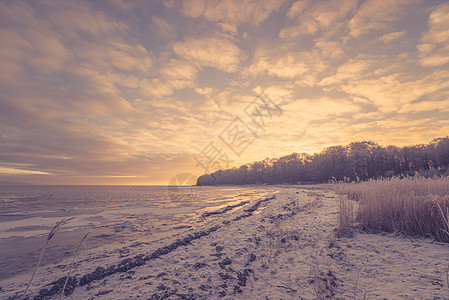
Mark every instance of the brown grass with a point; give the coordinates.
(346, 218)
(415, 206)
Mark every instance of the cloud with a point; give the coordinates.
(353, 70)
(313, 16)
(426, 106)
(386, 87)
(39, 49)
(288, 66)
(75, 19)
(321, 108)
(297, 8)
(306, 125)
(376, 14)
(108, 54)
(204, 91)
(400, 129)
(392, 36)
(193, 8)
(328, 49)
(434, 48)
(122, 4)
(279, 94)
(232, 12)
(44, 43)
(178, 69)
(213, 52)
(50, 54)
(164, 29)
(307, 27)
(155, 169)
(129, 93)
(390, 92)
(129, 57)
(14, 171)
(299, 68)
(173, 75)
(155, 87)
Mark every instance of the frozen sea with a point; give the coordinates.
(111, 215)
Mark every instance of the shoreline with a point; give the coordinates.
(283, 247)
(109, 223)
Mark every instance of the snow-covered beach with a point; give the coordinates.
(279, 246)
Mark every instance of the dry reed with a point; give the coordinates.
(415, 206)
(71, 264)
(51, 234)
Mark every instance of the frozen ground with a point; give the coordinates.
(112, 214)
(281, 247)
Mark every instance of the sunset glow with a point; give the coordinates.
(136, 92)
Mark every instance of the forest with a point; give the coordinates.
(357, 161)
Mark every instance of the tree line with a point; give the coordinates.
(357, 161)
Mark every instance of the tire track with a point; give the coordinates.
(55, 287)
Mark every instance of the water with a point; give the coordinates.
(111, 214)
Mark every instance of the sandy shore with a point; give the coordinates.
(281, 247)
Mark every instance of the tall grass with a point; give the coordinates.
(71, 264)
(415, 206)
(346, 218)
(50, 235)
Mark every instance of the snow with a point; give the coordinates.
(285, 249)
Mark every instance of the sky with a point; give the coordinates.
(140, 92)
